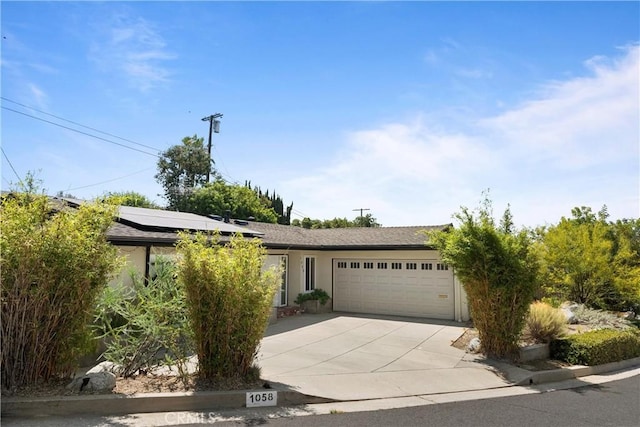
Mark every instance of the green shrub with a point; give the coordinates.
(146, 325)
(597, 347)
(316, 294)
(55, 262)
(498, 269)
(230, 300)
(599, 319)
(545, 323)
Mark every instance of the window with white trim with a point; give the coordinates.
(309, 273)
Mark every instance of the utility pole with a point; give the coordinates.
(214, 126)
(362, 210)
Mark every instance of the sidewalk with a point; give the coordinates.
(314, 359)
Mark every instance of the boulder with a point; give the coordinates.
(567, 310)
(474, 345)
(106, 366)
(94, 382)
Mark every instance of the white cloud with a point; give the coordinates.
(575, 144)
(134, 48)
(38, 96)
(579, 122)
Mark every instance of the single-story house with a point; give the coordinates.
(385, 270)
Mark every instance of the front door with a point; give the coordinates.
(280, 298)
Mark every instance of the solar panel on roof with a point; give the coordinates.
(179, 221)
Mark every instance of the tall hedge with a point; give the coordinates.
(55, 261)
(498, 270)
(229, 298)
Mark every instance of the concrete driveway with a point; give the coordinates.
(352, 357)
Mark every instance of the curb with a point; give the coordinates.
(112, 405)
(143, 403)
(577, 371)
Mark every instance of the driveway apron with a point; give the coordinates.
(348, 357)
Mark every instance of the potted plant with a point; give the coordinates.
(314, 302)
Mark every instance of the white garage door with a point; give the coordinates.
(417, 288)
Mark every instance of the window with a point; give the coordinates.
(342, 264)
(396, 266)
(382, 266)
(427, 266)
(412, 266)
(309, 273)
(368, 265)
(442, 266)
(355, 265)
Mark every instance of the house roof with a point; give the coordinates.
(161, 220)
(153, 226)
(136, 225)
(364, 238)
(277, 236)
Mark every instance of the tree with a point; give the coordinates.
(130, 198)
(274, 201)
(229, 299)
(592, 261)
(360, 221)
(55, 262)
(182, 169)
(366, 221)
(498, 269)
(219, 197)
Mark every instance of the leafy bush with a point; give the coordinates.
(498, 270)
(599, 319)
(597, 347)
(316, 294)
(545, 323)
(55, 262)
(592, 261)
(230, 300)
(147, 324)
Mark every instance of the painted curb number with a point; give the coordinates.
(262, 398)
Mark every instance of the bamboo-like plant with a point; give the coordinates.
(499, 272)
(54, 264)
(147, 324)
(230, 299)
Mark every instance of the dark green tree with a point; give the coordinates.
(182, 169)
(366, 221)
(219, 197)
(360, 221)
(130, 198)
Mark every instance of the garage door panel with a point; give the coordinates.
(404, 287)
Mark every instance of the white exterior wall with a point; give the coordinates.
(135, 258)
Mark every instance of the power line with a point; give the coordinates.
(81, 132)
(10, 165)
(110, 180)
(79, 124)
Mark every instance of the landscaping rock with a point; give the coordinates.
(474, 345)
(106, 366)
(94, 382)
(567, 310)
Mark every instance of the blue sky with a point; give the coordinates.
(410, 109)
